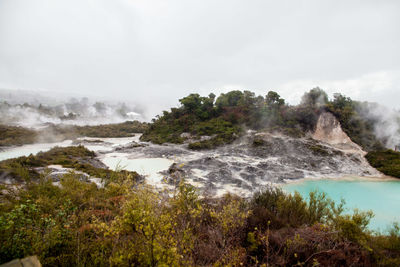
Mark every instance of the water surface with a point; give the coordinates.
(149, 167)
(26, 150)
(382, 197)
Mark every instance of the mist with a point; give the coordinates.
(386, 123)
(155, 52)
(37, 111)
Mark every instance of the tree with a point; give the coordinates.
(230, 99)
(191, 102)
(340, 101)
(274, 99)
(201, 107)
(316, 97)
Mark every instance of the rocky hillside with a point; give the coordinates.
(208, 122)
(339, 127)
(258, 158)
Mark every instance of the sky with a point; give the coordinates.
(154, 52)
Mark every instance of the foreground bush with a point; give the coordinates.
(126, 224)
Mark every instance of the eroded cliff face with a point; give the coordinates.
(329, 131)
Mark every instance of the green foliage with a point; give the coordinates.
(282, 209)
(230, 99)
(357, 126)
(75, 157)
(201, 107)
(274, 99)
(226, 119)
(387, 162)
(124, 129)
(316, 97)
(78, 224)
(11, 135)
(354, 226)
(48, 221)
(318, 149)
(245, 110)
(223, 133)
(259, 141)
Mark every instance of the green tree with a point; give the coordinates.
(316, 97)
(274, 99)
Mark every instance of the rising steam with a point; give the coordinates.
(74, 112)
(386, 123)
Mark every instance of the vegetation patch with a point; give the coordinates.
(387, 162)
(259, 141)
(225, 118)
(318, 149)
(125, 129)
(12, 135)
(75, 157)
(79, 224)
(210, 115)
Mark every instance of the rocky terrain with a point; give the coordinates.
(260, 158)
(253, 161)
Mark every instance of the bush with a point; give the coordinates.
(285, 210)
(11, 135)
(79, 224)
(387, 162)
(75, 157)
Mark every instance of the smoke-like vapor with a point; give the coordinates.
(74, 112)
(386, 123)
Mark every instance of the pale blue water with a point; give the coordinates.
(382, 197)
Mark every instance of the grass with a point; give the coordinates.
(125, 129)
(12, 135)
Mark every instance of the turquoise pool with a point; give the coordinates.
(382, 197)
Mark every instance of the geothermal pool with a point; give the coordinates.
(26, 150)
(149, 167)
(382, 197)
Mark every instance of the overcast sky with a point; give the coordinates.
(155, 52)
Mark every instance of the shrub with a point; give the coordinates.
(75, 157)
(12, 135)
(387, 162)
(79, 224)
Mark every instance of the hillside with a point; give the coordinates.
(207, 122)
